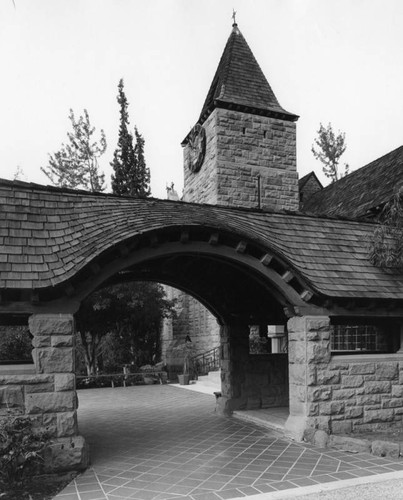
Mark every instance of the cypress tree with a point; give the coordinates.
(143, 173)
(131, 176)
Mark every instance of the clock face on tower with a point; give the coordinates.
(197, 147)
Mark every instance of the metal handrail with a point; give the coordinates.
(207, 361)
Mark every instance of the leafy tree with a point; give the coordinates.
(19, 174)
(386, 244)
(122, 323)
(330, 148)
(131, 176)
(75, 165)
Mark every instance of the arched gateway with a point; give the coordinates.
(246, 266)
(243, 250)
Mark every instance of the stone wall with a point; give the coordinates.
(358, 395)
(201, 187)
(266, 381)
(239, 147)
(340, 394)
(250, 381)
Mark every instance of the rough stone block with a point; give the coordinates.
(352, 445)
(62, 340)
(397, 391)
(321, 439)
(50, 402)
(25, 379)
(66, 424)
(297, 393)
(67, 454)
(296, 352)
(385, 449)
(297, 374)
(317, 324)
(393, 403)
(369, 399)
(377, 387)
(362, 369)
(319, 394)
(49, 423)
(387, 371)
(333, 408)
(46, 387)
(64, 382)
(381, 415)
(341, 427)
(322, 423)
(313, 409)
(55, 360)
(51, 324)
(343, 394)
(334, 365)
(318, 352)
(41, 341)
(354, 412)
(11, 400)
(324, 377)
(352, 380)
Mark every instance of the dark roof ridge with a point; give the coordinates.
(80, 192)
(357, 171)
(362, 192)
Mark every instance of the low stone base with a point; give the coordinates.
(295, 427)
(67, 454)
(225, 405)
(354, 444)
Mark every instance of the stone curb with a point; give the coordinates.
(377, 447)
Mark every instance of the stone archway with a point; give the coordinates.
(60, 245)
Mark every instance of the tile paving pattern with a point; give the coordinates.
(163, 443)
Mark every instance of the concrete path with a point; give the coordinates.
(160, 442)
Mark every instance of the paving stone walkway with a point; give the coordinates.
(163, 443)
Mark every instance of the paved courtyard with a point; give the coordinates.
(161, 442)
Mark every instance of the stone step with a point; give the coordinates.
(212, 378)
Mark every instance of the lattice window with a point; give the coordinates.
(358, 338)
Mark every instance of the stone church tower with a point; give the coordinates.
(242, 138)
(240, 153)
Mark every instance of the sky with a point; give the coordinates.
(337, 61)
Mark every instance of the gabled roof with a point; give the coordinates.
(306, 178)
(48, 235)
(361, 192)
(239, 81)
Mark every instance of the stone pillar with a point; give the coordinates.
(234, 362)
(53, 403)
(308, 349)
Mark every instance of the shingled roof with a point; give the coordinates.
(360, 193)
(49, 234)
(239, 81)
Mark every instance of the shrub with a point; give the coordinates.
(20, 450)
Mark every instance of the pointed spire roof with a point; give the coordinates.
(239, 83)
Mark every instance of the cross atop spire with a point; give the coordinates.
(234, 18)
